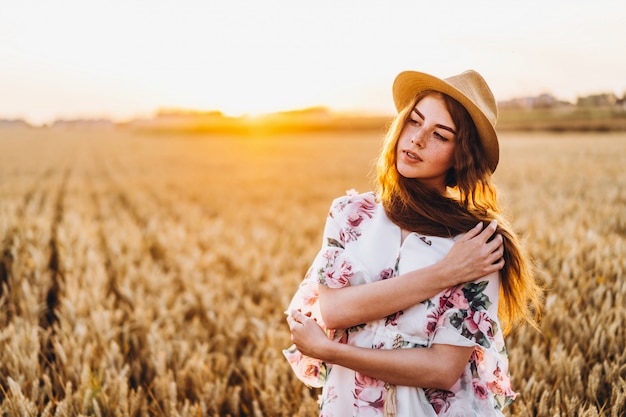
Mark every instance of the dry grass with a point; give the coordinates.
(147, 275)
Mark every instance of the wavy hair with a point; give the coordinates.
(472, 198)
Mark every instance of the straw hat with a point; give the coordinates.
(468, 88)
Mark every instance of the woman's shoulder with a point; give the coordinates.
(353, 201)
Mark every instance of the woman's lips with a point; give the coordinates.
(412, 156)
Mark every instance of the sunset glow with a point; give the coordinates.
(128, 59)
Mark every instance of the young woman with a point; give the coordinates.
(418, 304)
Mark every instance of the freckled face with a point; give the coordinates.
(425, 149)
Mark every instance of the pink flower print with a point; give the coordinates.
(431, 326)
(479, 321)
(432, 320)
(330, 254)
(478, 356)
(339, 206)
(357, 207)
(293, 355)
(348, 235)
(361, 209)
(310, 294)
(332, 395)
(328, 397)
(458, 300)
(380, 345)
(480, 389)
(392, 319)
(309, 368)
(338, 276)
(453, 298)
(385, 274)
(356, 217)
(443, 300)
(362, 380)
(501, 385)
(369, 395)
(439, 399)
(497, 372)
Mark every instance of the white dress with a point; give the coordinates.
(362, 245)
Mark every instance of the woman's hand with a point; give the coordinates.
(438, 366)
(473, 256)
(307, 335)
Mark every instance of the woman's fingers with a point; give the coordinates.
(495, 260)
(496, 244)
(296, 318)
(494, 248)
(486, 234)
(472, 233)
(291, 322)
(483, 234)
(478, 253)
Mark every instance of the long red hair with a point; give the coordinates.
(473, 198)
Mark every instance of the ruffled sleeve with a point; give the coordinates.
(329, 268)
(467, 315)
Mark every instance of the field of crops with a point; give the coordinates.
(148, 274)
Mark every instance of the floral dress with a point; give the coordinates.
(362, 245)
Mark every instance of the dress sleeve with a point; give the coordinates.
(328, 268)
(467, 315)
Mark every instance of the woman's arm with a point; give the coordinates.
(439, 366)
(471, 257)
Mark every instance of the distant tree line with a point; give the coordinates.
(548, 101)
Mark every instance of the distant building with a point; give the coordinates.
(542, 101)
(548, 101)
(598, 100)
(82, 123)
(5, 123)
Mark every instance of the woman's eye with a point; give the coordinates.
(441, 137)
(415, 121)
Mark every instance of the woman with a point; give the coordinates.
(424, 336)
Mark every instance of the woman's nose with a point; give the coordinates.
(418, 139)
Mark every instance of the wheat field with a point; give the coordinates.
(147, 274)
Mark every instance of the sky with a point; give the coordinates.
(124, 59)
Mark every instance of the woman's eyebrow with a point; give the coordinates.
(418, 112)
(444, 127)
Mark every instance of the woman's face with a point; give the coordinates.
(425, 149)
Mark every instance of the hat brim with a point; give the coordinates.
(409, 83)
